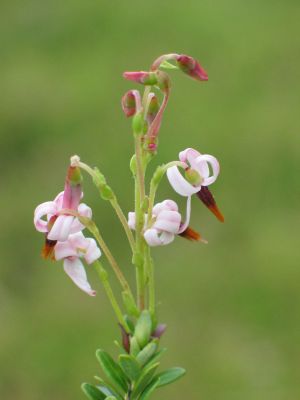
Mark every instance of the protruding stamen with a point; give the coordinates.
(208, 200)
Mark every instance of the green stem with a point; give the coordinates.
(104, 279)
(114, 202)
(155, 181)
(150, 273)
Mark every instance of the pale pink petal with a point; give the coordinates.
(61, 228)
(187, 217)
(168, 221)
(84, 211)
(131, 220)
(92, 251)
(64, 250)
(214, 163)
(59, 200)
(152, 238)
(165, 205)
(76, 272)
(188, 155)
(179, 183)
(166, 238)
(42, 210)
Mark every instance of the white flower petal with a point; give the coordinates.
(214, 163)
(76, 272)
(166, 238)
(42, 210)
(84, 211)
(168, 221)
(64, 250)
(61, 228)
(179, 183)
(131, 220)
(189, 155)
(92, 251)
(152, 238)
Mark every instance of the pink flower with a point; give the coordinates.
(165, 225)
(131, 102)
(76, 247)
(48, 218)
(201, 170)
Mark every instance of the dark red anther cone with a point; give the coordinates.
(208, 200)
(192, 235)
(48, 249)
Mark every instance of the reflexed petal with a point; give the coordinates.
(84, 211)
(189, 155)
(166, 238)
(76, 272)
(59, 200)
(92, 251)
(164, 205)
(214, 163)
(64, 250)
(168, 221)
(152, 238)
(61, 228)
(42, 210)
(179, 183)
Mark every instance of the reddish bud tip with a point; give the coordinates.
(208, 200)
(143, 77)
(48, 249)
(191, 67)
(125, 339)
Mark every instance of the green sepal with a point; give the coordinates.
(106, 192)
(134, 347)
(112, 370)
(143, 328)
(130, 366)
(149, 390)
(92, 392)
(169, 376)
(167, 65)
(144, 379)
(144, 355)
(130, 305)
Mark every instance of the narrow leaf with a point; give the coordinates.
(112, 370)
(144, 379)
(170, 375)
(147, 352)
(143, 328)
(149, 389)
(130, 366)
(155, 357)
(92, 392)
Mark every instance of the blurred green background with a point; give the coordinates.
(232, 307)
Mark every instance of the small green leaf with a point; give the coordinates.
(147, 352)
(92, 392)
(144, 379)
(107, 389)
(110, 398)
(155, 357)
(112, 370)
(130, 366)
(143, 328)
(149, 389)
(169, 376)
(129, 304)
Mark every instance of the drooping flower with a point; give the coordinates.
(201, 170)
(71, 251)
(48, 216)
(131, 102)
(166, 223)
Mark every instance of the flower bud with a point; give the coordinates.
(143, 328)
(191, 67)
(152, 108)
(143, 77)
(131, 102)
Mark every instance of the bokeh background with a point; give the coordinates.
(232, 307)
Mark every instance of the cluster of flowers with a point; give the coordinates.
(64, 239)
(201, 170)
